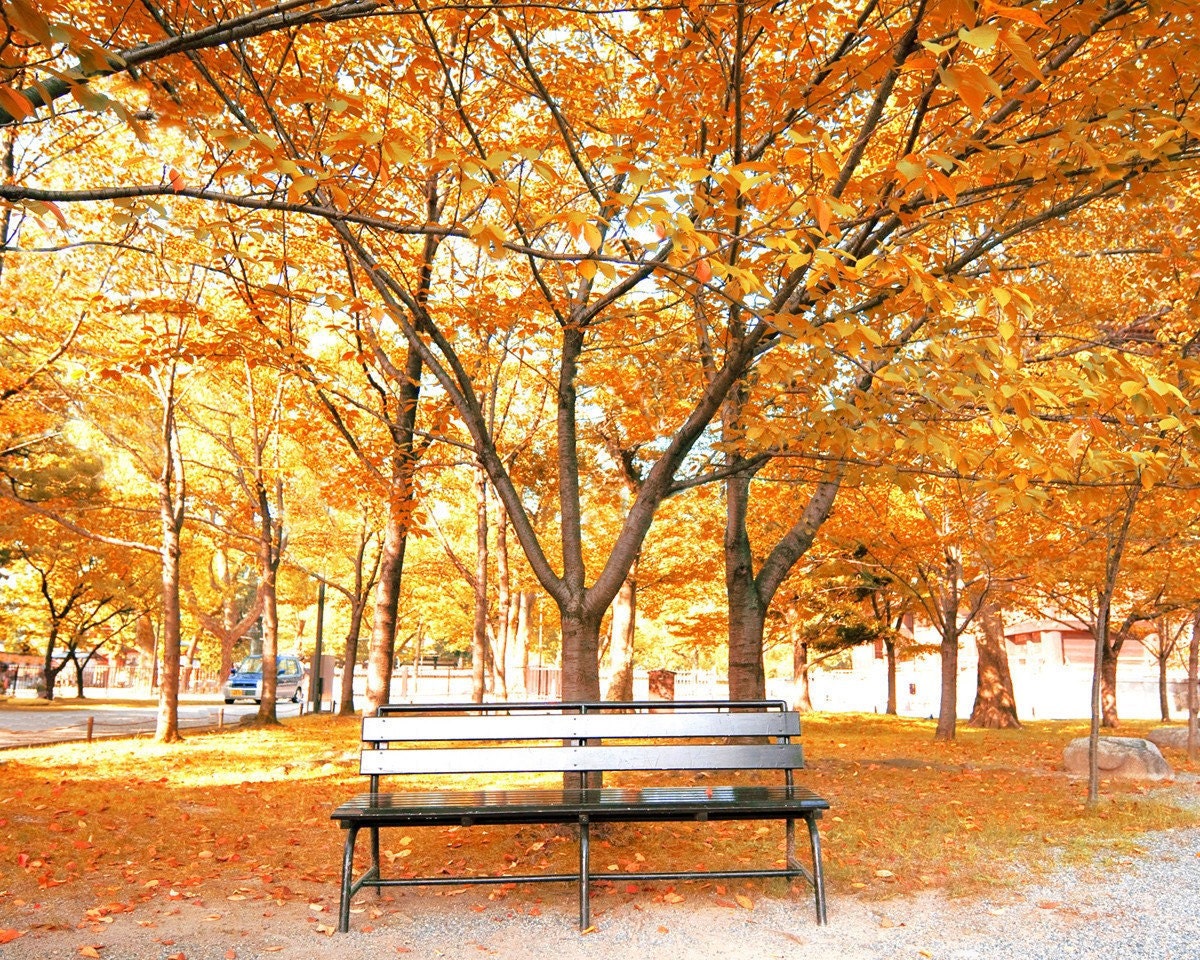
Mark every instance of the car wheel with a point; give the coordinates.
(258, 701)
(296, 695)
(229, 699)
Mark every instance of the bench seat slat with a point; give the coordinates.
(645, 804)
(607, 726)
(571, 759)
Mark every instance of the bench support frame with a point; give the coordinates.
(563, 813)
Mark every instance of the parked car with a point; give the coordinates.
(246, 681)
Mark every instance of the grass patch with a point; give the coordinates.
(245, 815)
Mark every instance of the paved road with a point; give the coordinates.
(33, 725)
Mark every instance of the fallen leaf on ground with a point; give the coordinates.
(8, 935)
(744, 901)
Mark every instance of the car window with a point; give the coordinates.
(250, 665)
(289, 668)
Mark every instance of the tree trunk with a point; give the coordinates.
(995, 704)
(1164, 705)
(228, 637)
(79, 695)
(948, 706)
(747, 614)
(346, 694)
(387, 602)
(270, 644)
(167, 728)
(395, 538)
(1108, 686)
(519, 648)
(1193, 692)
(191, 659)
(580, 660)
(479, 637)
(803, 702)
(889, 647)
(503, 607)
(620, 648)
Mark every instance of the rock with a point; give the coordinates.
(1172, 737)
(1125, 757)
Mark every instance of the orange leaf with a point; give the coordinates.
(176, 178)
(93, 952)
(8, 935)
(704, 271)
(16, 103)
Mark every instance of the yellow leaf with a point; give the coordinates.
(586, 269)
(29, 21)
(981, 38)
(300, 186)
(744, 901)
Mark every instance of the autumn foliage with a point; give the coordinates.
(603, 256)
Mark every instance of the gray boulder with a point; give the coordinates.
(1129, 758)
(1174, 738)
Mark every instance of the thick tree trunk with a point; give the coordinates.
(620, 648)
(889, 647)
(995, 704)
(747, 613)
(747, 676)
(580, 656)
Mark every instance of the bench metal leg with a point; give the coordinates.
(347, 879)
(818, 873)
(585, 906)
(375, 857)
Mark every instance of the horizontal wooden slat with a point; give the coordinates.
(568, 759)
(601, 726)
(580, 706)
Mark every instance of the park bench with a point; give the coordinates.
(582, 741)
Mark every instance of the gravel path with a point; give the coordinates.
(1143, 906)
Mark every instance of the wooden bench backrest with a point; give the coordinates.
(561, 740)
